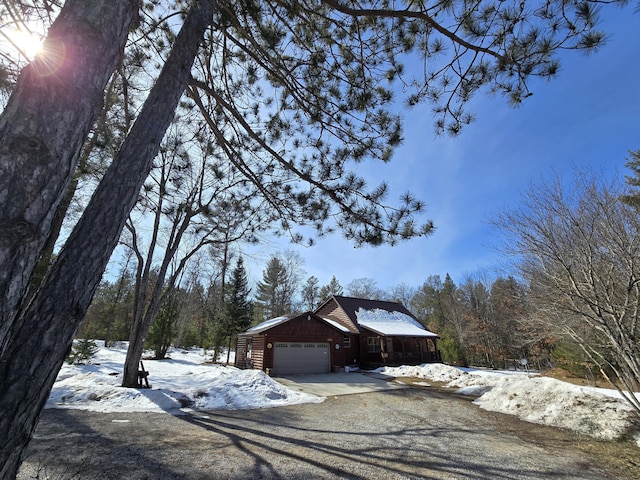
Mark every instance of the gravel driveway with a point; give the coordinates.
(398, 434)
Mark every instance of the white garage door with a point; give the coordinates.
(290, 358)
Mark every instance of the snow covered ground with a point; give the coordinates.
(187, 381)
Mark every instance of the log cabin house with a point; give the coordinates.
(343, 332)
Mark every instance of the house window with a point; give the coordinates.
(373, 345)
(249, 347)
(346, 343)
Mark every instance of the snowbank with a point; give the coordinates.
(183, 381)
(597, 412)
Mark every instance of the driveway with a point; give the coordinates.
(398, 434)
(332, 384)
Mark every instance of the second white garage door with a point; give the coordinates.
(291, 358)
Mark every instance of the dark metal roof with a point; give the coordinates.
(350, 306)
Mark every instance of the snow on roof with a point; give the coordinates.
(391, 323)
(268, 324)
(335, 324)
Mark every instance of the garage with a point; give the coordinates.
(298, 343)
(297, 357)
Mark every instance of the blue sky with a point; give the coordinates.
(586, 118)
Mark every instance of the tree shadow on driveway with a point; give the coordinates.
(398, 434)
(338, 439)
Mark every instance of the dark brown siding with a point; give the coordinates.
(241, 352)
(396, 351)
(352, 351)
(259, 352)
(301, 328)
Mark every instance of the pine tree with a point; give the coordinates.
(332, 288)
(270, 293)
(633, 164)
(163, 330)
(239, 310)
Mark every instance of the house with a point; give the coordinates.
(342, 332)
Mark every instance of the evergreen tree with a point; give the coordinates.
(426, 304)
(455, 332)
(633, 164)
(82, 351)
(239, 310)
(109, 315)
(163, 329)
(270, 290)
(332, 288)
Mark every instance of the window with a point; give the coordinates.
(373, 345)
(346, 343)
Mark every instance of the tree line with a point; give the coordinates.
(479, 323)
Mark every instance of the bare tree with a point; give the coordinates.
(365, 288)
(311, 293)
(579, 250)
(191, 202)
(402, 293)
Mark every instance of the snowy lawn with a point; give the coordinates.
(186, 380)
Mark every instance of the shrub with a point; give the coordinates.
(81, 351)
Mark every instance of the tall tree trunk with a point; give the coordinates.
(42, 129)
(36, 345)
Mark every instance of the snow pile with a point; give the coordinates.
(185, 380)
(597, 412)
(436, 372)
(552, 402)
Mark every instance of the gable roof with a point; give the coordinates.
(382, 317)
(273, 322)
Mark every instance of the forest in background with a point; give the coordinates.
(481, 322)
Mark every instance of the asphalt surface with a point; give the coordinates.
(408, 433)
(332, 384)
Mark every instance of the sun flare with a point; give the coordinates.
(27, 43)
(20, 42)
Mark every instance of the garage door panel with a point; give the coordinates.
(301, 357)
